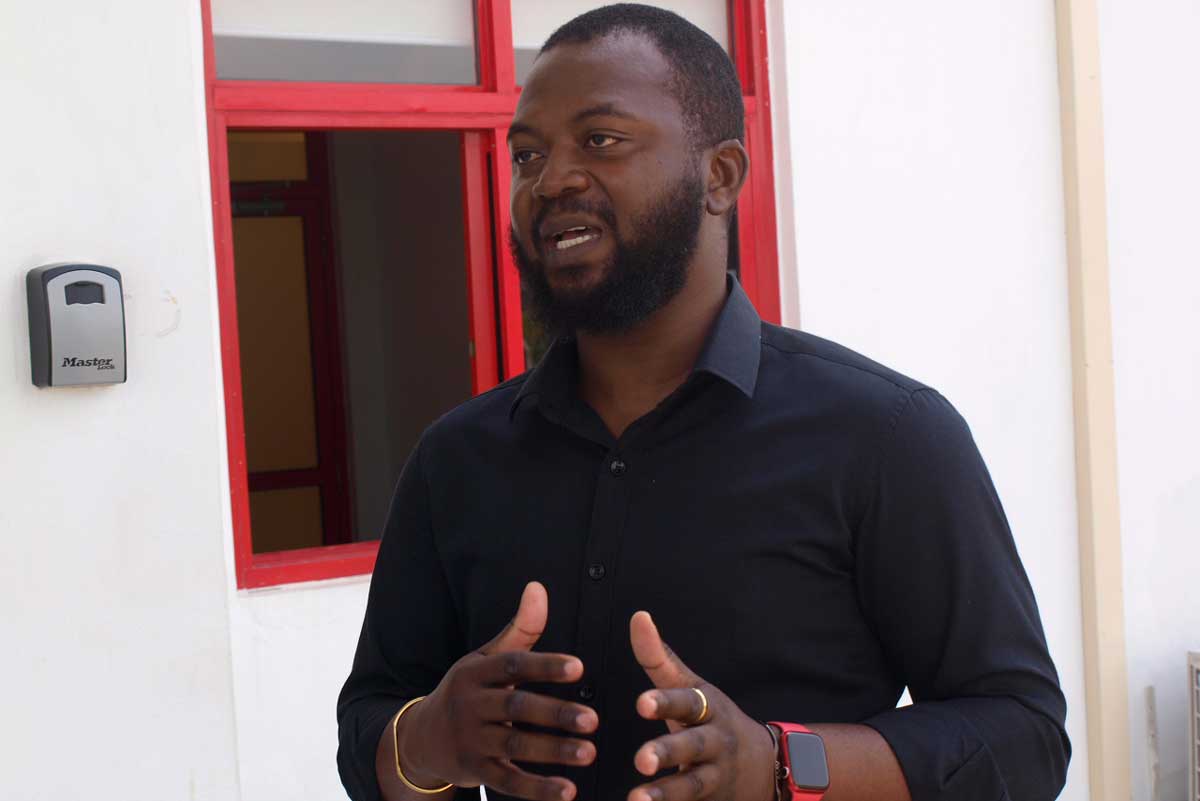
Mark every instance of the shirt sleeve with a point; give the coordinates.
(410, 636)
(942, 583)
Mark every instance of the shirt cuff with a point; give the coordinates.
(359, 744)
(941, 754)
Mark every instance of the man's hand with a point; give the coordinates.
(462, 732)
(726, 756)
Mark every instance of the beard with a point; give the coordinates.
(643, 274)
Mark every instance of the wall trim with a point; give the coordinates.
(1100, 567)
(785, 187)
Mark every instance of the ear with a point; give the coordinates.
(728, 166)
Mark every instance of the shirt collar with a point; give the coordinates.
(731, 353)
(734, 345)
(550, 381)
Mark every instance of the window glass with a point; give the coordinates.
(279, 404)
(286, 519)
(534, 21)
(367, 41)
(267, 156)
(352, 319)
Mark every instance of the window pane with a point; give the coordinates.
(405, 322)
(267, 156)
(534, 21)
(352, 318)
(277, 375)
(285, 519)
(367, 41)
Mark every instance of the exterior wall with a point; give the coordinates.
(117, 679)
(292, 648)
(1149, 62)
(928, 229)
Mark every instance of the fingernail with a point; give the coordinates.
(584, 721)
(653, 763)
(566, 793)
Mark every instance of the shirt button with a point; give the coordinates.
(596, 571)
(587, 692)
(616, 467)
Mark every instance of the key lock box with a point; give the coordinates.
(76, 325)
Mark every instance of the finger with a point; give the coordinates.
(523, 667)
(526, 626)
(511, 780)
(505, 706)
(701, 744)
(661, 664)
(693, 784)
(684, 705)
(509, 742)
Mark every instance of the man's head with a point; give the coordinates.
(627, 161)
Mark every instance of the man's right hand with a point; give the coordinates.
(462, 733)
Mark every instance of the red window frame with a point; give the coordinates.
(481, 113)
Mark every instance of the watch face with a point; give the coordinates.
(806, 758)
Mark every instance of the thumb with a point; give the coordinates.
(661, 664)
(527, 625)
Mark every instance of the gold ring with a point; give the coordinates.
(703, 707)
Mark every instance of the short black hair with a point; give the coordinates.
(705, 82)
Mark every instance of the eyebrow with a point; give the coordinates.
(598, 110)
(603, 110)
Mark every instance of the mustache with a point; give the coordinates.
(573, 205)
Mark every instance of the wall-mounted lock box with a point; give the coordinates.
(76, 325)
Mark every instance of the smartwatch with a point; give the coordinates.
(803, 769)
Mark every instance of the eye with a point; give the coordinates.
(522, 157)
(600, 141)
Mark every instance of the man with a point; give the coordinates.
(810, 531)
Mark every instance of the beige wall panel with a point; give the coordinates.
(284, 519)
(274, 337)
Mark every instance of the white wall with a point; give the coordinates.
(116, 669)
(292, 651)
(928, 233)
(1149, 65)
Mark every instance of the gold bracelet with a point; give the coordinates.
(396, 742)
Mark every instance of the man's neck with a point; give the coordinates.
(624, 376)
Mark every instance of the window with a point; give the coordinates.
(345, 327)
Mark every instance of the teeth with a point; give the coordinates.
(570, 243)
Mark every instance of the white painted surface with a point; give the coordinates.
(1149, 63)
(925, 147)
(116, 673)
(292, 650)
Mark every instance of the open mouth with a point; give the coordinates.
(573, 237)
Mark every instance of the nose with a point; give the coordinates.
(560, 175)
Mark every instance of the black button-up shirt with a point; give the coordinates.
(811, 531)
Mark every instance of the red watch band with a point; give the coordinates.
(784, 757)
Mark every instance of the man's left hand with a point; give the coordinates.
(721, 753)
